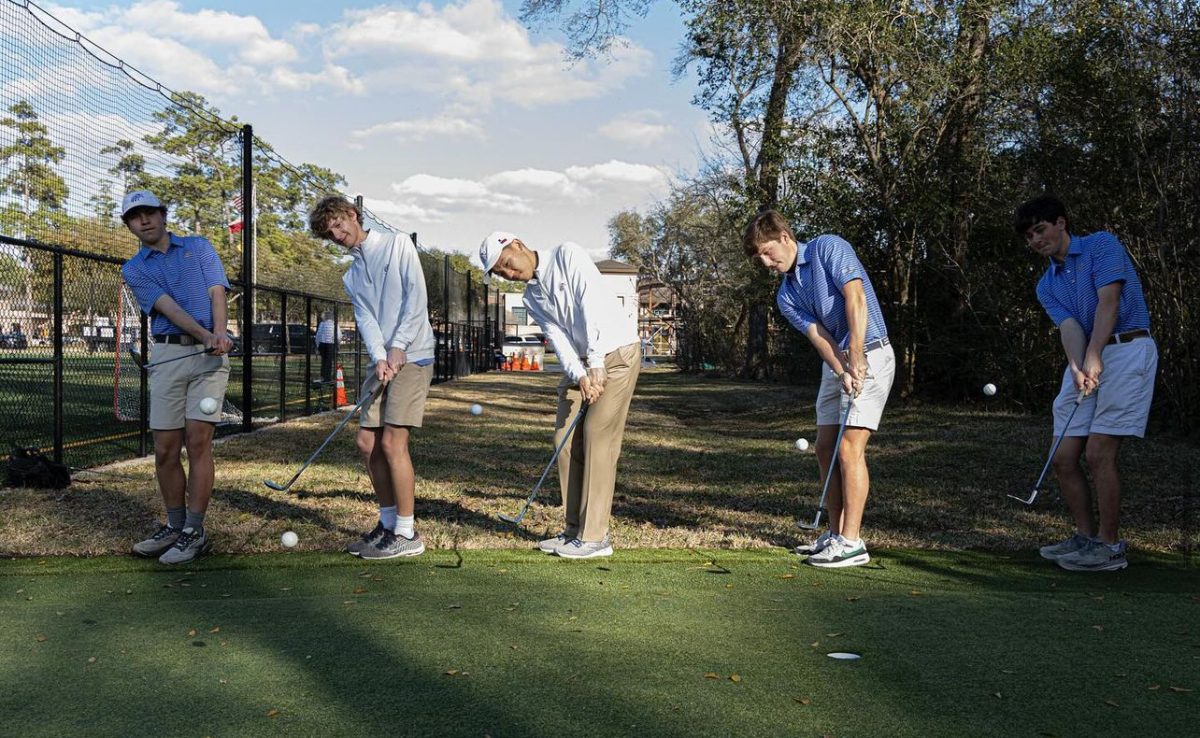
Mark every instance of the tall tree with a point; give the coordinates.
(28, 161)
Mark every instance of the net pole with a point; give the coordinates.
(248, 277)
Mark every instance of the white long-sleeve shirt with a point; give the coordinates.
(387, 287)
(578, 312)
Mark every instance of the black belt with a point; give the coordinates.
(1128, 336)
(178, 338)
(876, 344)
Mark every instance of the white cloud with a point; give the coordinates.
(526, 192)
(416, 129)
(244, 33)
(212, 52)
(473, 52)
(641, 128)
(444, 195)
(537, 183)
(619, 173)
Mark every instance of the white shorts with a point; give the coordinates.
(1121, 405)
(867, 408)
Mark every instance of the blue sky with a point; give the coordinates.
(451, 118)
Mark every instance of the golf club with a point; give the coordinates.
(816, 523)
(529, 501)
(367, 399)
(1037, 485)
(137, 359)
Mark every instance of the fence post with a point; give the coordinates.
(446, 372)
(249, 277)
(144, 385)
(285, 348)
(58, 358)
(308, 347)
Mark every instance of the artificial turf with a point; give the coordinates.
(648, 643)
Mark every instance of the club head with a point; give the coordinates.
(275, 485)
(515, 520)
(808, 526)
(1026, 500)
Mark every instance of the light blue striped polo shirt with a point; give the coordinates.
(185, 272)
(812, 291)
(1070, 289)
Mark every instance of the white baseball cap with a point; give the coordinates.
(489, 250)
(139, 199)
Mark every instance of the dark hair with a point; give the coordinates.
(768, 225)
(1047, 208)
(326, 208)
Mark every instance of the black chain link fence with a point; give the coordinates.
(78, 129)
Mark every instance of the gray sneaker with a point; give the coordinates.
(1098, 556)
(188, 547)
(577, 549)
(391, 545)
(156, 544)
(816, 547)
(1056, 551)
(367, 540)
(551, 544)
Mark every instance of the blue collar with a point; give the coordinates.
(172, 242)
(1074, 248)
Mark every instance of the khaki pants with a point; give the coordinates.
(587, 465)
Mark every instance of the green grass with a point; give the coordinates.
(962, 629)
(476, 643)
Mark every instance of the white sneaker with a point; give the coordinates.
(840, 554)
(817, 546)
(577, 549)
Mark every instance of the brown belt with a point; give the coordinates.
(177, 338)
(1128, 336)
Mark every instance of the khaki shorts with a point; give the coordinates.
(866, 410)
(1121, 405)
(176, 389)
(403, 400)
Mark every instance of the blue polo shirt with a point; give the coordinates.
(1071, 289)
(812, 291)
(185, 271)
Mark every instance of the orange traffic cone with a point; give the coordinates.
(340, 398)
(524, 361)
(533, 365)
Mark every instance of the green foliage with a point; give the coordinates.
(913, 129)
(28, 162)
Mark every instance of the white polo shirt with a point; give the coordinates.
(578, 312)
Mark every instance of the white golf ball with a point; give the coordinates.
(476, 409)
(289, 539)
(989, 389)
(802, 444)
(208, 405)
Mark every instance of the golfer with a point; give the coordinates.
(387, 287)
(1092, 293)
(179, 283)
(600, 355)
(827, 296)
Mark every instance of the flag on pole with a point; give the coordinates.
(235, 226)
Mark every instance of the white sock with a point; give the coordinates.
(404, 525)
(848, 543)
(387, 516)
